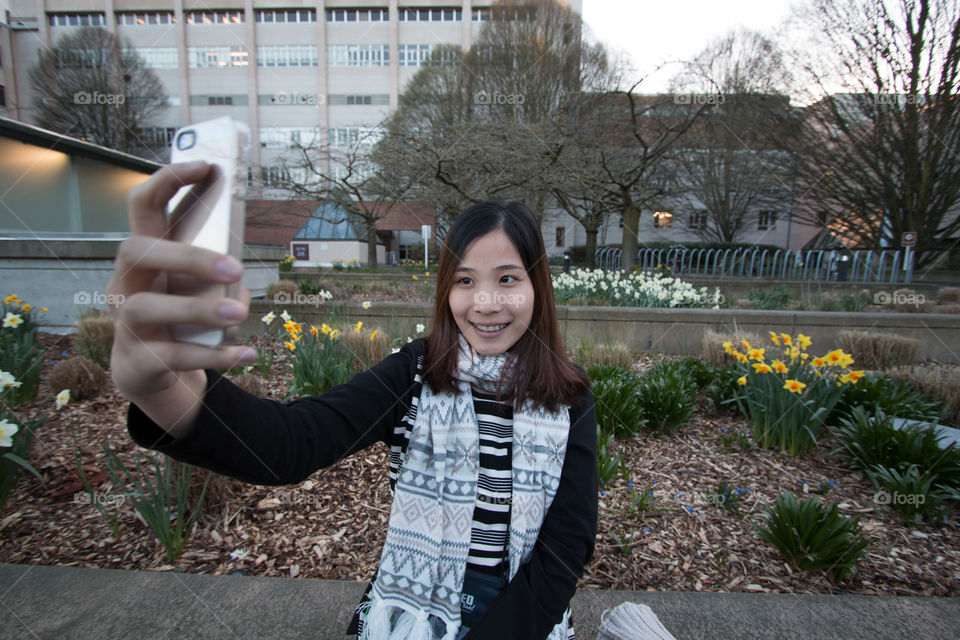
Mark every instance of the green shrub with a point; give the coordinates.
(879, 392)
(724, 390)
(917, 493)
(776, 298)
(667, 399)
(615, 399)
(20, 354)
(694, 369)
(608, 465)
(813, 537)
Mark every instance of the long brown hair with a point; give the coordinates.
(543, 372)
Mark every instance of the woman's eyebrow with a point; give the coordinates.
(503, 267)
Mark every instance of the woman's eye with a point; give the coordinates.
(464, 281)
(514, 278)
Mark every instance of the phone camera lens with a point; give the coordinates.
(186, 140)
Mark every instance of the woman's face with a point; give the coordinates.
(492, 296)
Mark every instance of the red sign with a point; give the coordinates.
(909, 239)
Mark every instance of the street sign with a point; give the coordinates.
(909, 239)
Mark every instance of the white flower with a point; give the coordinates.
(238, 554)
(11, 320)
(7, 380)
(395, 351)
(267, 319)
(285, 316)
(7, 430)
(63, 398)
(366, 304)
(421, 328)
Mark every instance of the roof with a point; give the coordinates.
(328, 222)
(29, 134)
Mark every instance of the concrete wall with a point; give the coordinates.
(678, 331)
(70, 276)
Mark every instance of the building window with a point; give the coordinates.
(3, 96)
(217, 57)
(159, 57)
(766, 221)
(157, 136)
(358, 15)
(358, 55)
(415, 55)
(431, 15)
(139, 19)
(287, 55)
(698, 220)
(225, 16)
(353, 136)
(219, 100)
(662, 220)
(268, 16)
(359, 99)
(77, 19)
(525, 14)
(287, 136)
(561, 231)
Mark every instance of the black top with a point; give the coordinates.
(271, 443)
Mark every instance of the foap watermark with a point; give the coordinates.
(298, 98)
(98, 297)
(901, 297)
(510, 299)
(316, 299)
(104, 499)
(895, 498)
(85, 97)
(898, 99)
(699, 98)
(485, 97)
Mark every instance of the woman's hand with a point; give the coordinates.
(163, 377)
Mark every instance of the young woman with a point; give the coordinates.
(491, 428)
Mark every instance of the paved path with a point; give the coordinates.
(68, 603)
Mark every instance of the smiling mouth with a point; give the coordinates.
(490, 328)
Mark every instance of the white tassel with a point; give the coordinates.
(452, 629)
(401, 631)
(632, 621)
(377, 624)
(422, 629)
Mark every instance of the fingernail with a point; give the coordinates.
(247, 355)
(228, 269)
(196, 164)
(231, 311)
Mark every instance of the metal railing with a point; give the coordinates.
(867, 266)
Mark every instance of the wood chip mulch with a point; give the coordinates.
(333, 525)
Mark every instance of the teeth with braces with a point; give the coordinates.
(490, 329)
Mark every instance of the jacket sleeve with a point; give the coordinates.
(272, 443)
(535, 599)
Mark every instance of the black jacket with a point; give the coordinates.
(266, 442)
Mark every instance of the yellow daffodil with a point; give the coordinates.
(852, 377)
(313, 330)
(774, 338)
(787, 340)
(834, 357)
(10, 298)
(742, 381)
(761, 367)
(742, 358)
(373, 336)
(43, 310)
(289, 344)
(27, 308)
(756, 354)
(779, 367)
(794, 385)
(727, 346)
(804, 341)
(324, 329)
(359, 326)
(745, 344)
(415, 278)
(818, 362)
(334, 333)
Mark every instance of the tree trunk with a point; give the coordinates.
(591, 246)
(631, 224)
(372, 244)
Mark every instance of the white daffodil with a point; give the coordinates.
(12, 320)
(267, 319)
(421, 328)
(63, 398)
(285, 316)
(7, 429)
(366, 304)
(7, 380)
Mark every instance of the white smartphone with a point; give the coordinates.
(209, 214)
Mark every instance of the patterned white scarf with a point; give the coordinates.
(428, 540)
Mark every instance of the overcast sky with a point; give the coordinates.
(654, 31)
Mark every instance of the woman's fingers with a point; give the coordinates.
(147, 202)
(147, 309)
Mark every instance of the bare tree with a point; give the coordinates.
(345, 176)
(94, 86)
(730, 164)
(879, 150)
